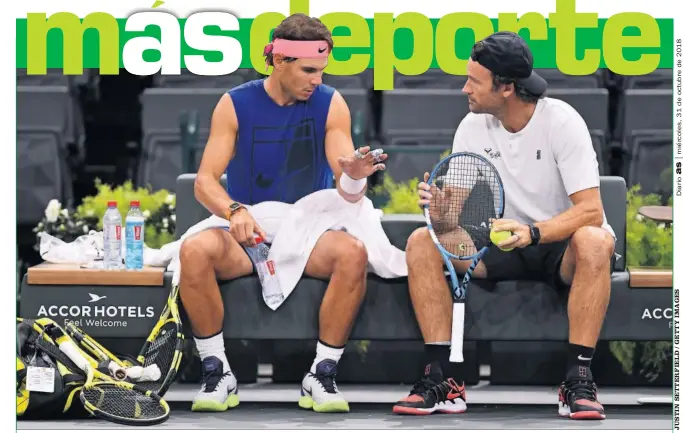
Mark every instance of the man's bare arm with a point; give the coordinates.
(587, 211)
(338, 142)
(217, 155)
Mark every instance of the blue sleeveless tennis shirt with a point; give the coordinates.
(280, 150)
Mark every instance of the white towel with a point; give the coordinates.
(294, 229)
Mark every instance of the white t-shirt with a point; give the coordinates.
(540, 166)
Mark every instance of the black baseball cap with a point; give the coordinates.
(506, 54)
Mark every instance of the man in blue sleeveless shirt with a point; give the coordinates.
(278, 139)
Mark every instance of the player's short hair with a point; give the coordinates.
(301, 27)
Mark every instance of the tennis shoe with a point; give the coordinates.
(219, 388)
(433, 394)
(578, 396)
(319, 390)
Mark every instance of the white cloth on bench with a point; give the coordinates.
(294, 229)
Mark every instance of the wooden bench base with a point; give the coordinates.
(72, 274)
(644, 277)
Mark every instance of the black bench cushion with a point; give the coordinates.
(511, 310)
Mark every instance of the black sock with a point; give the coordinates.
(578, 356)
(439, 353)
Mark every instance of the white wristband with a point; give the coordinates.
(352, 186)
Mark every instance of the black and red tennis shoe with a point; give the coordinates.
(578, 396)
(433, 394)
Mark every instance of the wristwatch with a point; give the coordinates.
(535, 234)
(234, 208)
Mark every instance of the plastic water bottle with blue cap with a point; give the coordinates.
(135, 237)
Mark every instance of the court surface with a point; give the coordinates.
(273, 406)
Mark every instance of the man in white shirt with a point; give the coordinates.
(543, 152)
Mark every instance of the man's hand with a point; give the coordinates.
(362, 163)
(430, 194)
(243, 226)
(521, 234)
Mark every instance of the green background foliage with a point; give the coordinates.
(157, 206)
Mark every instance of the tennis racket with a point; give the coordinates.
(116, 401)
(164, 346)
(109, 362)
(467, 193)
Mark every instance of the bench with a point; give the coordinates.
(506, 311)
(514, 310)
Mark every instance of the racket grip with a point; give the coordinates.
(116, 371)
(457, 332)
(69, 348)
(144, 374)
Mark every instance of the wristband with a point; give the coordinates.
(352, 186)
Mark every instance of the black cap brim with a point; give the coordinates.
(534, 83)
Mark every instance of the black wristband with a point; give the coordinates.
(535, 234)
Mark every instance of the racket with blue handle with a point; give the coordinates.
(467, 194)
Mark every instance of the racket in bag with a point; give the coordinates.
(36, 350)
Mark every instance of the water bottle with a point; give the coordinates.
(135, 236)
(111, 230)
(272, 293)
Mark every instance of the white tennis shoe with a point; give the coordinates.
(219, 388)
(319, 390)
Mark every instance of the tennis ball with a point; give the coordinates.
(497, 237)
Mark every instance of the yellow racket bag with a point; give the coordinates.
(48, 382)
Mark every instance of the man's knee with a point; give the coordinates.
(198, 251)
(352, 256)
(593, 245)
(419, 245)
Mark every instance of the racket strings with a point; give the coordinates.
(161, 352)
(468, 196)
(123, 402)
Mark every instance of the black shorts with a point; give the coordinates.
(533, 263)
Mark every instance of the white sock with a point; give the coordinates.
(213, 346)
(323, 352)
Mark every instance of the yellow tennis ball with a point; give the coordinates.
(497, 237)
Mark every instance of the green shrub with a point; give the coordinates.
(96, 205)
(402, 196)
(647, 242)
(158, 207)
